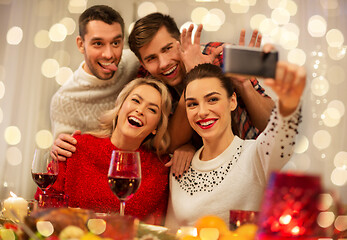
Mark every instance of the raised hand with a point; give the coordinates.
(289, 85)
(191, 54)
(255, 39)
(254, 42)
(64, 146)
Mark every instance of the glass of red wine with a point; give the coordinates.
(124, 175)
(44, 170)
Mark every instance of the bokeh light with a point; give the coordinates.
(340, 160)
(338, 105)
(2, 89)
(96, 226)
(162, 7)
(329, 4)
(211, 22)
(69, 24)
(341, 223)
(14, 35)
(301, 144)
(291, 7)
(331, 117)
(319, 86)
(297, 56)
(334, 38)
(256, 20)
(77, 6)
(14, 156)
(146, 8)
(337, 53)
(277, 3)
(239, 6)
(44, 139)
(325, 201)
(58, 32)
(339, 176)
(50, 68)
(219, 13)
(45, 228)
(41, 39)
(280, 16)
(325, 219)
(267, 26)
(198, 14)
(12, 135)
(317, 26)
(292, 27)
(289, 40)
(336, 74)
(63, 75)
(321, 139)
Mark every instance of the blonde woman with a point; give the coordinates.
(137, 122)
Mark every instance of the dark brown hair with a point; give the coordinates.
(145, 29)
(99, 12)
(207, 70)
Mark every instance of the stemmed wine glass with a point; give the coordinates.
(124, 175)
(44, 170)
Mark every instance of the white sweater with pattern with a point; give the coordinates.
(236, 179)
(79, 103)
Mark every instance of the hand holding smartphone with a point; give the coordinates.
(249, 61)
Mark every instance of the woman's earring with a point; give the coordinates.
(154, 131)
(113, 124)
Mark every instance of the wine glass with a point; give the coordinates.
(124, 175)
(44, 170)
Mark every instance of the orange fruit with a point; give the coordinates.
(230, 235)
(189, 237)
(247, 230)
(212, 221)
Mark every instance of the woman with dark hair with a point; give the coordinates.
(227, 172)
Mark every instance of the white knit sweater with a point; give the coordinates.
(79, 103)
(236, 179)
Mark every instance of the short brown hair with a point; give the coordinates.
(145, 29)
(99, 12)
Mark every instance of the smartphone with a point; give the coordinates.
(249, 61)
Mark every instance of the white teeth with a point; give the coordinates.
(135, 120)
(206, 123)
(170, 71)
(106, 64)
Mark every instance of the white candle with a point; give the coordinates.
(18, 205)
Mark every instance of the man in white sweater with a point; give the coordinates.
(95, 85)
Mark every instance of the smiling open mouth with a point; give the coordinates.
(170, 71)
(135, 121)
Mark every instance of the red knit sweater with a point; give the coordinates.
(83, 177)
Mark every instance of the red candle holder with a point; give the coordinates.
(289, 209)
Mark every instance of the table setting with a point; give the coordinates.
(290, 210)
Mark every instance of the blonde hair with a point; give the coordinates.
(158, 142)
